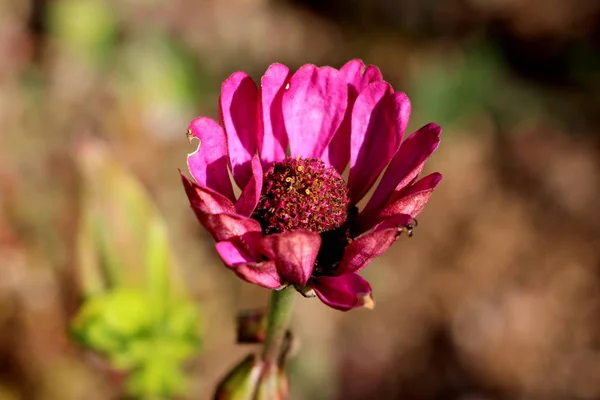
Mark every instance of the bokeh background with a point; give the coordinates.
(497, 296)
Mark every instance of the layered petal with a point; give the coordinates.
(379, 119)
(239, 111)
(294, 253)
(250, 196)
(343, 292)
(404, 167)
(358, 77)
(239, 259)
(208, 164)
(274, 137)
(313, 109)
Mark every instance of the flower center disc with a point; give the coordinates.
(302, 194)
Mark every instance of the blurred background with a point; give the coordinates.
(497, 296)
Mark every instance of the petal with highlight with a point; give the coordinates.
(274, 137)
(250, 196)
(357, 76)
(239, 111)
(294, 253)
(377, 128)
(343, 292)
(208, 164)
(313, 109)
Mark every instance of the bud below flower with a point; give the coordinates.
(254, 379)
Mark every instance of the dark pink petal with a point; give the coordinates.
(227, 226)
(239, 110)
(357, 76)
(236, 257)
(294, 253)
(248, 200)
(205, 200)
(378, 122)
(208, 164)
(343, 292)
(274, 137)
(360, 252)
(313, 109)
(405, 166)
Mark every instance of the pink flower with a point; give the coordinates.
(296, 221)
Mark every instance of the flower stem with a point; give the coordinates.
(281, 305)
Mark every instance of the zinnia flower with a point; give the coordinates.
(286, 144)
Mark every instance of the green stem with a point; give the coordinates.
(281, 305)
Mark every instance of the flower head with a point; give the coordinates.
(287, 143)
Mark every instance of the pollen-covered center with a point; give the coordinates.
(302, 194)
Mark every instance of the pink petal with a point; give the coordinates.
(360, 252)
(343, 292)
(248, 200)
(358, 76)
(337, 154)
(397, 222)
(239, 110)
(208, 164)
(405, 166)
(294, 253)
(313, 109)
(274, 137)
(227, 226)
(205, 200)
(236, 257)
(379, 118)
(412, 200)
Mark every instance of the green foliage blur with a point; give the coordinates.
(136, 313)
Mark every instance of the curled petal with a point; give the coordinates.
(344, 292)
(294, 253)
(313, 109)
(239, 259)
(361, 251)
(205, 200)
(405, 166)
(208, 164)
(248, 200)
(379, 118)
(239, 110)
(274, 137)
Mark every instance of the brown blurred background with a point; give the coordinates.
(497, 296)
